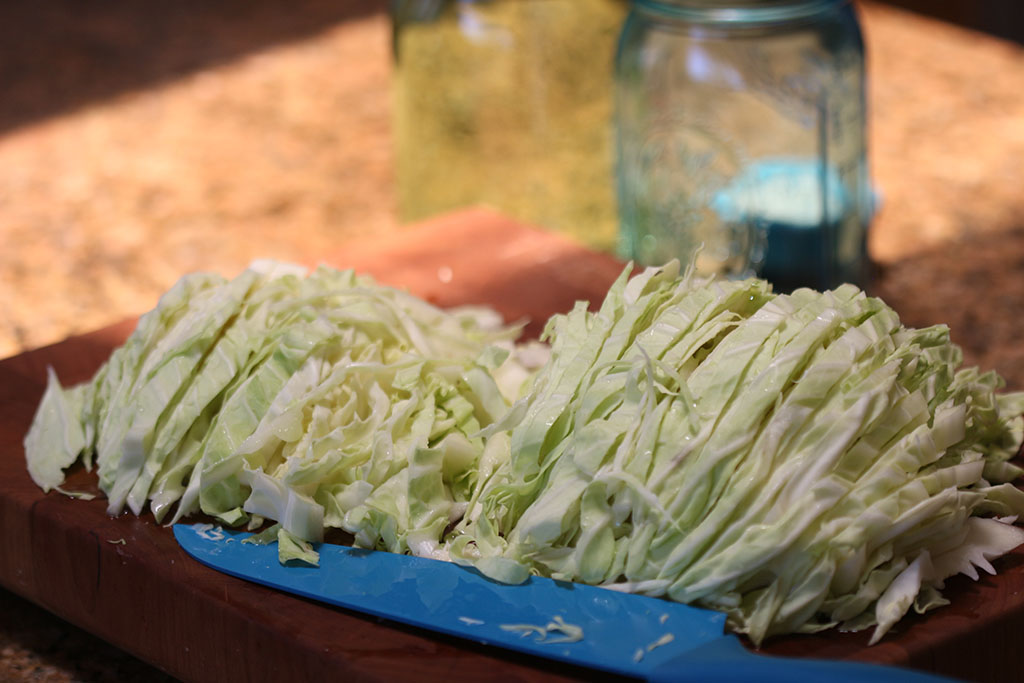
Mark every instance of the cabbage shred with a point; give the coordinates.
(799, 462)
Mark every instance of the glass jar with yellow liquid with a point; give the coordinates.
(508, 103)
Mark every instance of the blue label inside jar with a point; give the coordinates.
(796, 205)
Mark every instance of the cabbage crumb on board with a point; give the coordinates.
(799, 462)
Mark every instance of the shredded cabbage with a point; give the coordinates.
(317, 402)
(796, 461)
(799, 461)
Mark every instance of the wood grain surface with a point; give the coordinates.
(146, 596)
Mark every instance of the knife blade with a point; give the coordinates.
(620, 633)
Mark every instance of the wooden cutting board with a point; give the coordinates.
(126, 580)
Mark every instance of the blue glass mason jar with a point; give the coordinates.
(740, 133)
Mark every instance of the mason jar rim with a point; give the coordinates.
(739, 12)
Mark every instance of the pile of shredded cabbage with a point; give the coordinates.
(798, 461)
(325, 401)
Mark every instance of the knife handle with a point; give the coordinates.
(726, 660)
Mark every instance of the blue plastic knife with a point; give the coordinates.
(625, 634)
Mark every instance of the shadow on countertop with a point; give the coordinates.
(1001, 18)
(975, 286)
(60, 55)
(36, 646)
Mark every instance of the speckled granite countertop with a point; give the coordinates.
(271, 135)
